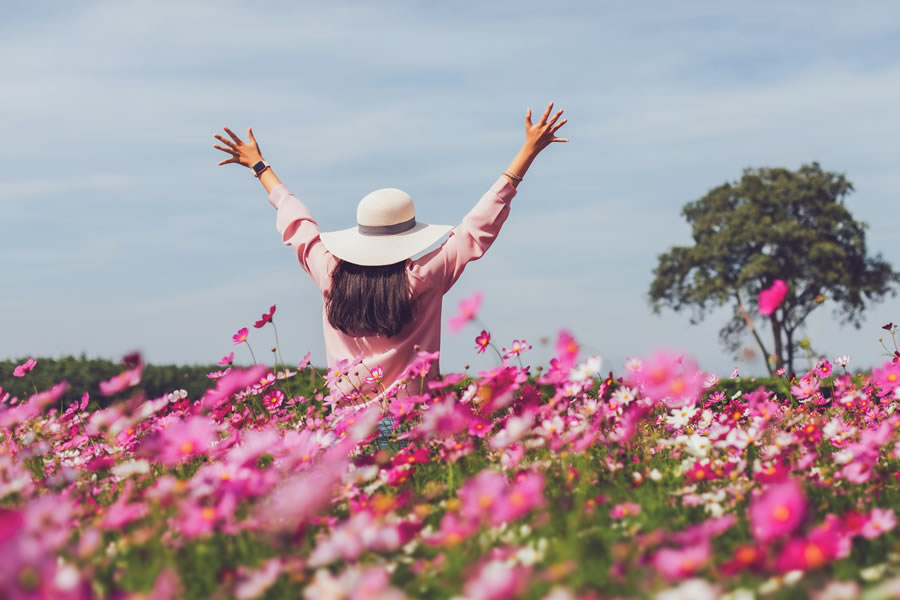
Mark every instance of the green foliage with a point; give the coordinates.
(773, 224)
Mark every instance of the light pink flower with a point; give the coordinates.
(24, 368)
(305, 362)
(183, 440)
(778, 512)
(483, 494)
(625, 509)
(673, 379)
(517, 348)
(123, 380)
(498, 581)
(881, 520)
(771, 298)
(679, 563)
(468, 310)
(227, 359)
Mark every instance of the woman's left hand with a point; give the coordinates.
(242, 153)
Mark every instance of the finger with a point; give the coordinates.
(250, 135)
(236, 139)
(228, 143)
(233, 159)
(555, 117)
(528, 118)
(546, 114)
(224, 149)
(556, 127)
(556, 139)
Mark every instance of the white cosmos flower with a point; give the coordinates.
(681, 416)
(624, 395)
(589, 369)
(696, 445)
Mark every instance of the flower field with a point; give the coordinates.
(552, 482)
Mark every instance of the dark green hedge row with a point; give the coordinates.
(85, 374)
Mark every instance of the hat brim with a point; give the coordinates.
(375, 250)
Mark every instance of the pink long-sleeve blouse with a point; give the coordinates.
(430, 277)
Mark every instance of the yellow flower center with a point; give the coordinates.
(781, 513)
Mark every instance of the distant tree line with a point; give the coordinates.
(85, 374)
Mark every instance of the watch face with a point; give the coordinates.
(258, 167)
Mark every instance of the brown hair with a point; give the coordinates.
(369, 300)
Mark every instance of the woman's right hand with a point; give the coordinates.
(544, 133)
(242, 153)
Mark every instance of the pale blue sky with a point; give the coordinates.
(121, 233)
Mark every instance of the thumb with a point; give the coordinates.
(528, 117)
(250, 134)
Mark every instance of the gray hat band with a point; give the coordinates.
(386, 229)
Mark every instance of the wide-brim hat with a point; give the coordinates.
(386, 231)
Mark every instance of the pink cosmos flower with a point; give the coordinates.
(807, 553)
(806, 387)
(183, 440)
(266, 318)
(824, 369)
(771, 298)
(778, 512)
(24, 368)
(240, 336)
(887, 378)
(305, 362)
(468, 310)
(123, 380)
(482, 495)
(226, 360)
(482, 341)
(881, 520)
(453, 531)
(273, 400)
(626, 509)
(517, 348)
(498, 580)
(672, 379)
(376, 375)
(679, 563)
(566, 350)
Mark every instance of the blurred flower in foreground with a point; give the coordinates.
(468, 310)
(772, 298)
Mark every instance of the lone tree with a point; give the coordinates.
(773, 224)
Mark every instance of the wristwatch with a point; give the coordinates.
(259, 167)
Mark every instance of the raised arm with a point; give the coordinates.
(537, 137)
(479, 228)
(294, 222)
(246, 154)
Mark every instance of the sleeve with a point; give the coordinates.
(299, 230)
(469, 240)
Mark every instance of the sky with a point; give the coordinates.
(120, 232)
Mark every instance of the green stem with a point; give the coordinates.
(253, 356)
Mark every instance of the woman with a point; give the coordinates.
(380, 307)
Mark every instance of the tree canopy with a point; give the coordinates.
(773, 224)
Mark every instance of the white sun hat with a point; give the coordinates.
(386, 232)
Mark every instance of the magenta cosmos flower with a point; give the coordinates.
(772, 298)
(25, 367)
(482, 341)
(266, 318)
(778, 512)
(468, 310)
(241, 336)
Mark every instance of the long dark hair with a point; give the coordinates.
(369, 300)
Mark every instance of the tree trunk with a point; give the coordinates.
(779, 347)
(789, 335)
(753, 331)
